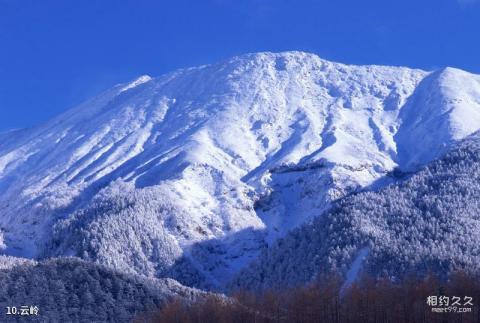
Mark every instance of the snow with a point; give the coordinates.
(257, 143)
(354, 270)
(142, 79)
(444, 109)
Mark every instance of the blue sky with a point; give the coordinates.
(54, 54)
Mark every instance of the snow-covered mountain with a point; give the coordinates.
(189, 175)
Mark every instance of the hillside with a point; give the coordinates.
(428, 222)
(72, 290)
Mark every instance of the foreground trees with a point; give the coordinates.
(366, 301)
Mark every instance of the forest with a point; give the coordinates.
(368, 300)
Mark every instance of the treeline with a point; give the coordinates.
(375, 301)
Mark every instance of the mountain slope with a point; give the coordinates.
(191, 174)
(76, 291)
(443, 110)
(428, 223)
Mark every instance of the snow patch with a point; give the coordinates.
(354, 270)
(141, 80)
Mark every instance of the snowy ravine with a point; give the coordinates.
(189, 175)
